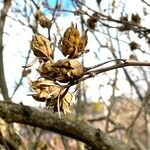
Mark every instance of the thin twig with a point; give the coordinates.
(96, 66)
(22, 77)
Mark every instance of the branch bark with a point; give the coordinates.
(82, 131)
(3, 86)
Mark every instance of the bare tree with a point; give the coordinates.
(119, 56)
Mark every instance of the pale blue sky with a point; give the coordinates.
(65, 4)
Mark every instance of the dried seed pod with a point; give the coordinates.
(52, 94)
(72, 34)
(41, 47)
(133, 45)
(45, 90)
(68, 70)
(124, 18)
(82, 44)
(91, 24)
(71, 42)
(46, 71)
(38, 14)
(135, 19)
(44, 22)
(64, 103)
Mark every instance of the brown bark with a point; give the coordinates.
(3, 86)
(67, 126)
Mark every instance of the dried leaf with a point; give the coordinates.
(41, 47)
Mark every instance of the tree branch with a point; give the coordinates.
(68, 126)
(3, 85)
(124, 63)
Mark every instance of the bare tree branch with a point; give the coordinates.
(3, 86)
(46, 120)
(121, 64)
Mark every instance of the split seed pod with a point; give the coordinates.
(71, 42)
(41, 47)
(45, 90)
(68, 70)
(52, 94)
(64, 103)
(46, 71)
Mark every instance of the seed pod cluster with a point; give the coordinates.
(43, 21)
(72, 45)
(46, 88)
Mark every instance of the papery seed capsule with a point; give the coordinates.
(41, 47)
(83, 42)
(72, 45)
(44, 22)
(68, 70)
(38, 14)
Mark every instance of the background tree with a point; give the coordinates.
(118, 37)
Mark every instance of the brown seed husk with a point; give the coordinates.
(46, 71)
(45, 90)
(38, 14)
(44, 22)
(68, 70)
(64, 103)
(41, 47)
(72, 45)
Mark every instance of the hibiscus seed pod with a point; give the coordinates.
(41, 47)
(44, 22)
(68, 70)
(45, 90)
(72, 45)
(46, 71)
(38, 14)
(83, 43)
(91, 23)
(64, 103)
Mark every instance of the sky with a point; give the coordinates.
(65, 4)
(16, 51)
